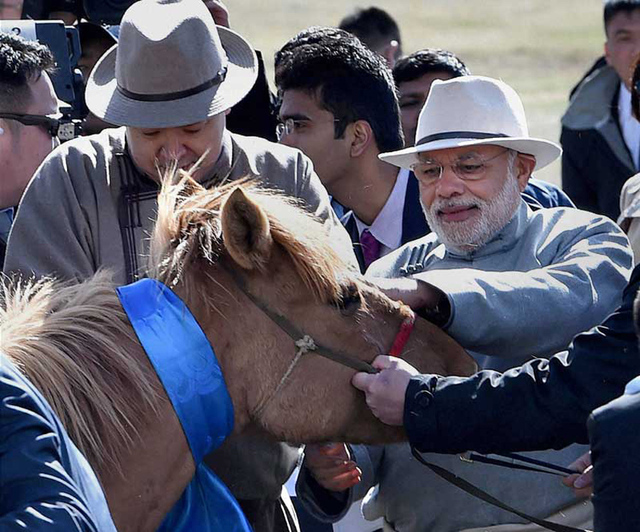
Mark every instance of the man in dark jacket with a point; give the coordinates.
(540, 405)
(600, 137)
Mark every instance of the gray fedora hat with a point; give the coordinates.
(472, 110)
(171, 67)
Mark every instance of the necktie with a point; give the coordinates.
(370, 247)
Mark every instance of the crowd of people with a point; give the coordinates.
(422, 174)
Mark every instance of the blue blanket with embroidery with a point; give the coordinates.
(189, 371)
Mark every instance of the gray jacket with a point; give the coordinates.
(545, 277)
(88, 208)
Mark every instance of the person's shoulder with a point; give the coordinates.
(83, 159)
(630, 199)
(547, 194)
(590, 104)
(82, 155)
(571, 221)
(14, 384)
(107, 142)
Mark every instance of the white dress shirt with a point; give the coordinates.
(629, 125)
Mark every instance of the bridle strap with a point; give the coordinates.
(296, 334)
(305, 344)
(471, 489)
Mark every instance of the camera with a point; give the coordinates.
(64, 43)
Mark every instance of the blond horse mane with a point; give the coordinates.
(189, 230)
(69, 339)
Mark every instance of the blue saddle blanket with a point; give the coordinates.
(189, 371)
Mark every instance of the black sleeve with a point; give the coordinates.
(543, 404)
(576, 179)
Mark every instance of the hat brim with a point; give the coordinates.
(113, 107)
(544, 151)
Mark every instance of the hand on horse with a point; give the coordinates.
(331, 466)
(385, 390)
(218, 11)
(416, 293)
(581, 482)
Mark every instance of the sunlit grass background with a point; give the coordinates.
(540, 47)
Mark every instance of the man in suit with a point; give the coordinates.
(340, 108)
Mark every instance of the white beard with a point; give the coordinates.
(467, 235)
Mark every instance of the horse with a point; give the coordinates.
(250, 264)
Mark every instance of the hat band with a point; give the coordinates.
(169, 96)
(459, 135)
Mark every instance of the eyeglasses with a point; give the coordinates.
(467, 168)
(294, 125)
(49, 122)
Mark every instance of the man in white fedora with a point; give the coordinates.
(169, 81)
(507, 282)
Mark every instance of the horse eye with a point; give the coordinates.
(350, 301)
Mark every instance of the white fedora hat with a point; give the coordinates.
(472, 110)
(171, 67)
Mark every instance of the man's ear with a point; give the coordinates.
(524, 165)
(362, 137)
(606, 52)
(390, 52)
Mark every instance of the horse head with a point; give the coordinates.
(254, 269)
(246, 261)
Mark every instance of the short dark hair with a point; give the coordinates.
(349, 80)
(21, 62)
(613, 7)
(373, 26)
(428, 61)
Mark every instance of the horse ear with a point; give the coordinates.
(246, 231)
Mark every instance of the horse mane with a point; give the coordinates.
(73, 340)
(70, 340)
(188, 231)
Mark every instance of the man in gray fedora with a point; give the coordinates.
(509, 283)
(169, 81)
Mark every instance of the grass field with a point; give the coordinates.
(540, 47)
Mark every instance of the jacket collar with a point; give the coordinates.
(595, 106)
(591, 105)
